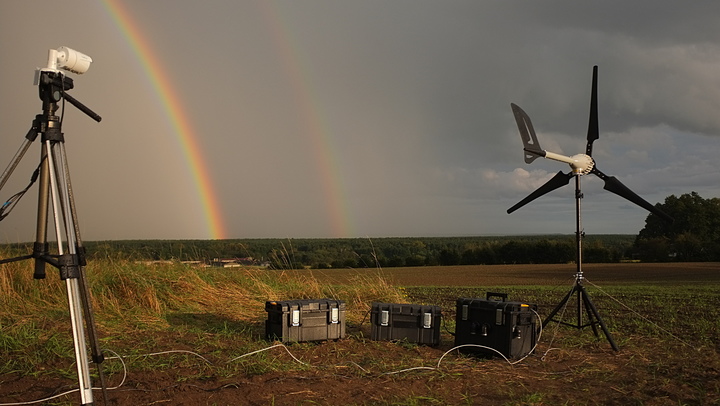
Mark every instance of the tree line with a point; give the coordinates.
(694, 235)
(375, 252)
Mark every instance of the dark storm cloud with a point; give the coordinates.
(405, 105)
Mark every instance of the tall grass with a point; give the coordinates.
(132, 300)
(21, 295)
(129, 295)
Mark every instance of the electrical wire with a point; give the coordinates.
(537, 341)
(62, 96)
(10, 204)
(639, 315)
(165, 352)
(32, 402)
(296, 359)
(279, 345)
(556, 329)
(268, 348)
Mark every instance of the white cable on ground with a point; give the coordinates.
(268, 348)
(478, 346)
(32, 402)
(165, 352)
(125, 371)
(556, 329)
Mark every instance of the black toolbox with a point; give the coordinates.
(507, 327)
(410, 322)
(305, 320)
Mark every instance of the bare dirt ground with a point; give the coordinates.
(644, 372)
(569, 367)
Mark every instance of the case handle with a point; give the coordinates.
(503, 296)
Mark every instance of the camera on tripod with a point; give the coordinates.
(68, 59)
(50, 77)
(55, 195)
(52, 81)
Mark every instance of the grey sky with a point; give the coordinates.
(368, 118)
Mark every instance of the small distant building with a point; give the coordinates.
(238, 262)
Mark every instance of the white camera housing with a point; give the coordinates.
(72, 60)
(68, 59)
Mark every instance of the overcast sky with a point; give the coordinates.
(329, 118)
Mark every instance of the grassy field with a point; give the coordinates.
(194, 336)
(538, 274)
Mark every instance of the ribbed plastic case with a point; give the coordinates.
(410, 322)
(305, 320)
(507, 327)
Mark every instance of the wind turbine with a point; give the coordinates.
(580, 164)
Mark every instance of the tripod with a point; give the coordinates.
(583, 298)
(55, 189)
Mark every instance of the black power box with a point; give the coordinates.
(305, 320)
(509, 328)
(411, 322)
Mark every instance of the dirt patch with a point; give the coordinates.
(645, 371)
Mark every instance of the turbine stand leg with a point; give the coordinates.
(592, 313)
(598, 320)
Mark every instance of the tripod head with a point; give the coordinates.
(53, 87)
(53, 84)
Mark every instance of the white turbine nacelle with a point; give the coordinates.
(581, 164)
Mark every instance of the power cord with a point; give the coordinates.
(640, 315)
(279, 345)
(10, 204)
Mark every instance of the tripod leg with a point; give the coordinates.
(14, 162)
(40, 247)
(592, 321)
(95, 349)
(590, 305)
(579, 306)
(69, 270)
(81, 357)
(557, 308)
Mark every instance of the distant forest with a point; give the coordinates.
(372, 252)
(693, 236)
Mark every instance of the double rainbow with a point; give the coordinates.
(315, 126)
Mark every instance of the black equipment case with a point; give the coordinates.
(415, 323)
(305, 320)
(508, 327)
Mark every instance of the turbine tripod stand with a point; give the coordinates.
(55, 189)
(583, 298)
(580, 164)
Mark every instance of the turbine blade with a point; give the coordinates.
(559, 180)
(527, 133)
(593, 130)
(612, 184)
